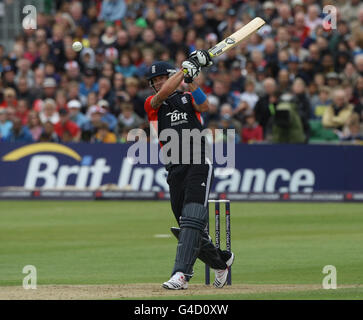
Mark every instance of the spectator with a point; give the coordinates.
(128, 118)
(49, 112)
(352, 131)
(103, 134)
(321, 104)
(122, 41)
(48, 134)
(9, 98)
(75, 115)
(269, 12)
(24, 91)
(24, 71)
(8, 75)
(107, 117)
(251, 131)
(67, 130)
(88, 58)
(149, 43)
(287, 125)
(126, 67)
(302, 104)
(19, 133)
(5, 124)
(112, 10)
(49, 88)
(312, 20)
(249, 95)
(88, 85)
(89, 129)
(337, 115)
(35, 125)
(76, 11)
(105, 92)
(132, 90)
(177, 42)
(22, 111)
(265, 106)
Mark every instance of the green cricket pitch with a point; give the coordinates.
(124, 250)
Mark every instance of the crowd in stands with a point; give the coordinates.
(299, 79)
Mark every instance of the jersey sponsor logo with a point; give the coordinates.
(177, 117)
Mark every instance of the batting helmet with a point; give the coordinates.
(160, 68)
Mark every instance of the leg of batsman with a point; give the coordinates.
(209, 253)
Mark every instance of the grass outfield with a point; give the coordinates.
(126, 243)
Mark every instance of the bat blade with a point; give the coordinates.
(235, 38)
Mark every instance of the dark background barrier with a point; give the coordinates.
(259, 168)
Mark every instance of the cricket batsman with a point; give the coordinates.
(189, 183)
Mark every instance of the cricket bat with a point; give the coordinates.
(237, 37)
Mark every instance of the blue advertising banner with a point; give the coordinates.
(258, 168)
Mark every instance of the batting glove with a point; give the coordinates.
(203, 57)
(191, 69)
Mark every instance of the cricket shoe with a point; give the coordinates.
(176, 282)
(221, 275)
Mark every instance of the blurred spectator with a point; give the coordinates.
(251, 131)
(105, 92)
(312, 19)
(337, 115)
(5, 124)
(107, 117)
(88, 84)
(24, 71)
(177, 42)
(287, 125)
(132, 89)
(19, 133)
(319, 105)
(249, 95)
(302, 104)
(265, 106)
(89, 128)
(22, 111)
(67, 130)
(49, 112)
(352, 130)
(128, 118)
(75, 114)
(49, 88)
(24, 92)
(103, 134)
(48, 134)
(126, 67)
(9, 98)
(269, 11)
(112, 10)
(35, 125)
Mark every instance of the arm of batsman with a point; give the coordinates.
(203, 57)
(191, 69)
